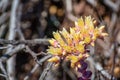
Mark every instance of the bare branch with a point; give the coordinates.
(68, 71)
(9, 54)
(46, 70)
(69, 15)
(6, 47)
(4, 4)
(4, 71)
(12, 34)
(37, 65)
(4, 17)
(99, 68)
(27, 42)
(2, 29)
(114, 6)
(3, 75)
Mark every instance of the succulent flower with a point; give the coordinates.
(71, 45)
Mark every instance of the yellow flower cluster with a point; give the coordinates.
(72, 45)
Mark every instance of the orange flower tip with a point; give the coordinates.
(94, 38)
(79, 65)
(104, 34)
(64, 29)
(94, 21)
(72, 65)
(71, 30)
(80, 56)
(57, 64)
(92, 44)
(82, 42)
(60, 32)
(52, 41)
(64, 53)
(50, 60)
(54, 33)
(86, 55)
(47, 50)
(53, 59)
(101, 28)
(76, 23)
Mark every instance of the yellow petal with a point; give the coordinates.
(101, 28)
(54, 59)
(58, 37)
(73, 58)
(80, 47)
(78, 66)
(64, 32)
(86, 55)
(53, 42)
(94, 21)
(72, 31)
(93, 44)
(80, 56)
(67, 49)
(89, 23)
(66, 35)
(54, 51)
(72, 64)
(80, 23)
(87, 39)
(76, 37)
(96, 32)
(104, 34)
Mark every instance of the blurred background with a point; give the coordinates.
(37, 19)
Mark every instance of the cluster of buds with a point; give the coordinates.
(72, 45)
